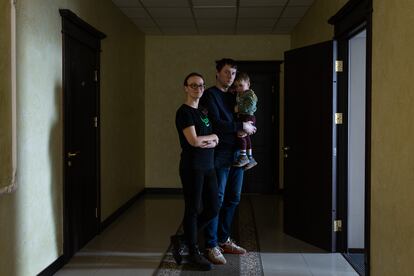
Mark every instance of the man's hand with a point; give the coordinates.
(249, 128)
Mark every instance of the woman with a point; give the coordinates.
(197, 172)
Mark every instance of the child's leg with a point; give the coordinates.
(248, 146)
(242, 159)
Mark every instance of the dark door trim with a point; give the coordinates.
(355, 16)
(74, 27)
(272, 67)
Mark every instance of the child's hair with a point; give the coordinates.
(242, 76)
(225, 61)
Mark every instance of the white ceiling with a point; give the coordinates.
(204, 17)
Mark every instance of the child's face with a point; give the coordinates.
(241, 85)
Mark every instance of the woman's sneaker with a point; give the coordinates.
(177, 248)
(215, 256)
(199, 260)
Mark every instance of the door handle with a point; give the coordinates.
(73, 154)
(286, 148)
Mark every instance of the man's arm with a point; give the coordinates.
(221, 125)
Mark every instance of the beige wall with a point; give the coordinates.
(5, 95)
(168, 60)
(392, 159)
(31, 218)
(392, 169)
(314, 27)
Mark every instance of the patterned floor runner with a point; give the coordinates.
(247, 264)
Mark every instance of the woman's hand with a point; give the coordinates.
(210, 142)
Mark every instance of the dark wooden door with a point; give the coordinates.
(81, 109)
(264, 80)
(308, 188)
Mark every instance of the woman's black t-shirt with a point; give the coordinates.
(194, 157)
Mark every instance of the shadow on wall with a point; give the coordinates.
(56, 172)
(8, 230)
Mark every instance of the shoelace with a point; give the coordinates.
(231, 243)
(217, 251)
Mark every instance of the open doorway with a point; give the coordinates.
(353, 33)
(264, 79)
(356, 149)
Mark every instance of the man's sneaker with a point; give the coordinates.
(199, 260)
(215, 256)
(251, 164)
(230, 247)
(177, 248)
(241, 161)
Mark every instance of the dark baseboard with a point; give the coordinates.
(163, 191)
(53, 267)
(61, 261)
(356, 250)
(109, 220)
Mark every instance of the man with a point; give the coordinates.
(220, 105)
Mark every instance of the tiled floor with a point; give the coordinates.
(136, 242)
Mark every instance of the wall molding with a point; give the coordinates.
(10, 184)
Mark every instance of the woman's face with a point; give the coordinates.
(194, 87)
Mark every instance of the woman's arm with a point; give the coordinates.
(199, 141)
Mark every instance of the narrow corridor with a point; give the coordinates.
(135, 244)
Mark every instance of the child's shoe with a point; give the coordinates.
(251, 163)
(241, 161)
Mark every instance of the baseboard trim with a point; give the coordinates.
(61, 261)
(356, 250)
(115, 215)
(163, 191)
(53, 267)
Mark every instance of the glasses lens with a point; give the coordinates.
(195, 86)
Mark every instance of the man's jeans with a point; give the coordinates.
(230, 182)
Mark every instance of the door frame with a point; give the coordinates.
(270, 66)
(354, 17)
(71, 24)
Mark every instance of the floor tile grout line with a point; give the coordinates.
(307, 264)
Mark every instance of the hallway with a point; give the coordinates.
(136, 242)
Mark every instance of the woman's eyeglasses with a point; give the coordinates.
(195, 85)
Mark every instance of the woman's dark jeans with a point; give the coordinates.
(201, 201)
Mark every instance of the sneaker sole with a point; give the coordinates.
(247, 167)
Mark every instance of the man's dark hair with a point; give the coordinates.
(193, 74)
(225, 61)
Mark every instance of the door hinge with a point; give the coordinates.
(96, 212)
(337, 225)
(96, 75)
(95, 121)
(338, 118)
(339, 66)
(273, 89)
(273, 119)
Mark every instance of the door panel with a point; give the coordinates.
(264, 79)
(82, 141)
(81, 61)
(308, 190)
